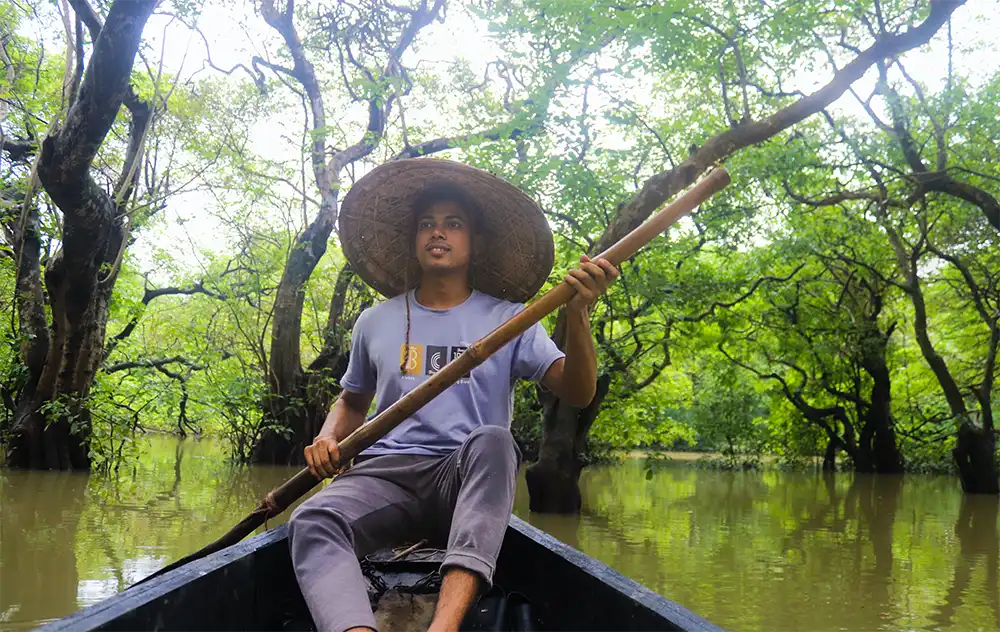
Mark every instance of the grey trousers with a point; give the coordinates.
(464, 498)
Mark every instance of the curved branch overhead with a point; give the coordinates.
(18, 149)
(147, 296)
(67, 155)
(661, 187)
(89, 17)
(153, 364)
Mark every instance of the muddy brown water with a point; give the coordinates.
(748, 551)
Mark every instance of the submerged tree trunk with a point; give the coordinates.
(291, 406)
(879, 425)
(886, 457)
(830, 455)
(52, 422)
(555, 477)
(51, 426)
(297, 413)
(299, 403)
(553, 480)
(975, 456)
(975, 449)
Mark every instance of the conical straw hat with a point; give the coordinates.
(514, 255)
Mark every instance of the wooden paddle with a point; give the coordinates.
(279, 499)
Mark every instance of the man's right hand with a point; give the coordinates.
(322, 457)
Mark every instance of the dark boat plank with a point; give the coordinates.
(582, 593)
(251, 586)
(216, 592)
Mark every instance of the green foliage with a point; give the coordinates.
(526, 422)
(756, 290)
(730, 416)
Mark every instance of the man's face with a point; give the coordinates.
(443, 238)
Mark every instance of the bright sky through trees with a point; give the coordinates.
(231, 33)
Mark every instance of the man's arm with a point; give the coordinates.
(346, 416)
(573, 379)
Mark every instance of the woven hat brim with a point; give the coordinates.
(516, 253)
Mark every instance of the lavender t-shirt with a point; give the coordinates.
(484, 397)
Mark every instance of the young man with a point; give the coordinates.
(458, 251)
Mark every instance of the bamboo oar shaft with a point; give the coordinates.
(362, 438)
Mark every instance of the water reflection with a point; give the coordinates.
(753, 551)
(749, 551)
(978, 534)
(38, 565)
(70, 540)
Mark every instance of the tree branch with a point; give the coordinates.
(813, 414)
(257, 60)
(142, 118)
(854, 261)
(972, 194)
(617, 362)
(378, 106)
(970, 281)
(285, 361)
(338, 321)
(642, 121)
(30, 296)
(78, 54)
(940, 180)
(306, 75)
(985, 390)
(89, 17)
(662, 186)
(257, 77)
(502, 131)
(908, 268)
(68, 154)
(899, 123)
(153, 364)
(148, 296)
(753, 288)
(843, 196)
(939, 130)
(657, 369)
(18, 150)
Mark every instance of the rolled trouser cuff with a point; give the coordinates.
(470, 561)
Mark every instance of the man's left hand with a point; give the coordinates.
(590, 280)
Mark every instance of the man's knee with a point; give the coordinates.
(492, 437)
(494, 443)
(315, 521)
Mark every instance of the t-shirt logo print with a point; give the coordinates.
(455, 352)
(437, 357)
(412, 355)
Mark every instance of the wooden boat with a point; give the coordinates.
(540, 584)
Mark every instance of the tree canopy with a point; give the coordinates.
(172, 172)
